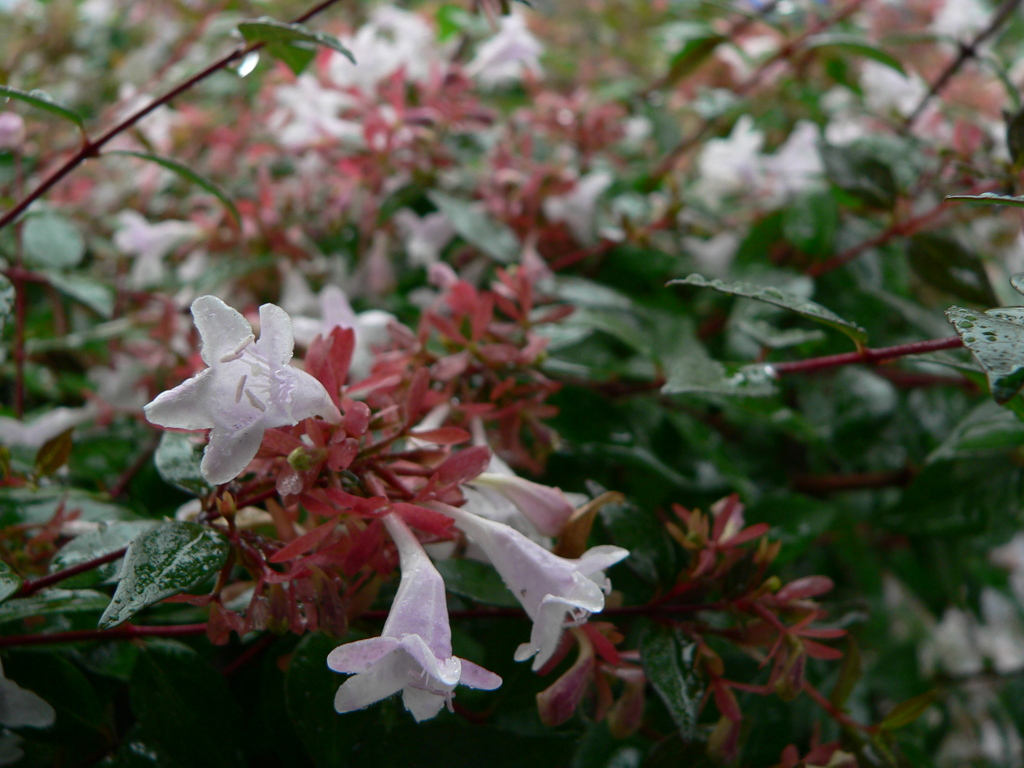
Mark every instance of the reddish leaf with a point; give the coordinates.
(356, 419)
(809, 586)
(304, 543)
(356, 504)
(423, 519)
(277, 442)
(464, 465)
(443, 435)
(558, 701)
(820, 651)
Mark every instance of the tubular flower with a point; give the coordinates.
(555, 592)
(248, 388)
(414, 652)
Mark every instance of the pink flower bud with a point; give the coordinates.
(12, 130)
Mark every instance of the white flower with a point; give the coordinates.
(731, 165)
(392, 39)
(425, 236)
(414, 652)
(149, 244)
(248, 388)
(555, 592)
(796, 165)
(45, 427)
(507, 56)
(309, 114)
(886, 90)
(961, 19)
(576, 208)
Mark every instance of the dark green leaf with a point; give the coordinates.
(177, 460)
(54, 453)
(1015, 136)
(811, 222)
(52, 241)
(183, 706)
(990, 198)
(89, 546)
(53, 601)
(278, 34)
(944, 263)
(477, 581)
(186, 173)
(310, 688)
(478, 228)
(696, 50)
(985, 430)
(42, 100)
(295, 56)
(6, 301)
(996, 339)
(95, 295)
(908, 711)
(668, 657)
(855, 45)
(849, 674)
(779, 298)
(10, 582)
(638, 530)
(163, 562)
(39, 505)
(866, 178)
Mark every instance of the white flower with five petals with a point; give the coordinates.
(556, 592)
(248, 388)
(414, 652)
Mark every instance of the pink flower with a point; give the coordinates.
(414, 652)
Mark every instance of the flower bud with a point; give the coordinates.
(12, 130)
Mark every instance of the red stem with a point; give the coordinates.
(31, 587)
(91, 147)
(867, 355)
(124, 632)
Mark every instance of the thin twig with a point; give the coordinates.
(866, 356)
(967, 52)
(124, 632)
(91, 147)
(31, 587)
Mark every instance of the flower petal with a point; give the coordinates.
(185, 406)
(445, 671)
(296, 395)
(229, 453)
(223, 330)
(423, 704)
(597, 559)
(360, 655)
(546, 507)
(276, 343)
(475, 676)
(388, 676)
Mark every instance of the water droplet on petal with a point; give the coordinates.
(248, 63)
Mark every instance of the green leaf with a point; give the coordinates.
(177, 460)
(696, 50)
(477, 581)
(186, 173)
(1015, 137)
(53, 601)
(183, 706)
(651, 556)
(6, 301)
(990, 198)
(54, 453)
(10, 582)
(292, 43)
(849, 674)
(479, 229)
(52, 241)
(162, 562)
(93, 294)
(996, 339)
(780, 298)
(668, 658)
(946, 264)
(39, 505)
(855, 45)
(94, 544)
(985, 430)
(864, 177)
(42, 100)
(908, 711)
(811, 222)
(310, 688)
